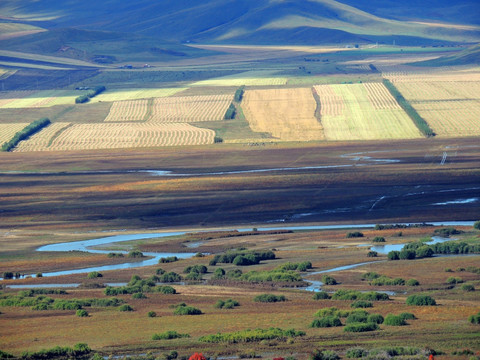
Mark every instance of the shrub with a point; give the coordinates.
(420, 300)
(375, 318)
(200, 269)
(357, 317)
(330, 311)
(407, 254)
(454, 280)
(193, 276)
(327, 321)
(323, 355)
(170, 277)
(448, 270)
(378, 239)
(393, 255)
(5, 355)
(328, 280)
(474, 319)
(169, 259)
(115, 255)
(8, 275)
(423, 252)
(361, 304)
(169, 335)
(468, 287)
(267, 298)
(81, 99)
(412, 282)
(407, 316)
(249, 335)
(355, 234)
(230, 113)
(394, 320)
(356, 353)
(227, 304)
(372, 254)
(219, 274)
(82, 313)
(152, 314)
(125, 307)
(139, 296)
(38, 275)
(239, 93)
(321, 295)
(94, 275)
(371, 275)
(360, 327)
(135, 254)
(187, 310)
(476, 225)
(159, 271)
(446, 232)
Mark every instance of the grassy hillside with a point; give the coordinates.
(468, 56)
(260, 21)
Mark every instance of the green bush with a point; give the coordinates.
(407, 254)
(227, 304)
(170, 277)
(78, 351)
(356, 353)
(169, 335)
(357, 295)
(446, 232)
(5, 355)
(354, 234)
(357, 317)
(321, 295)
(393, 255)
(394, 320)
(474, 319)
(412, 282)
(372, 254)
(256, 335)
(407, 316)
(139, 295)
(361, 304)
(135, 254)
(323, 355)
(168, 259)
(468, 287)
(193, 276)
(476, 225)
(327, 321)
(239, 93)
(268, 298)
(301, 266)
(371, 275)
(385, 280)
(152, 314)
(115, 255)
(328, 280)
(360, 327)
(159, 271)
(420, 300)
(82, 313)
(375, 318)
(378, 239)
(200, 269)
(454, 280)
(230, 113)
(330, 311)
(94, 275)
(81, 99)
(125, 307)
(423, 252)
(218, 274)
(187, 310)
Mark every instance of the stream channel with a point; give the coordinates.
(153, 258)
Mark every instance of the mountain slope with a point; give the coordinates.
(260, 21)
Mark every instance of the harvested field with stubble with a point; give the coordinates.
(7, 131)
(38, 99)
(287, 114)
(129, 110)
(134, 94)
(190, 108)
(450, 102)
(42, 140)
(362, 112)
(247, 78)
(127, 135)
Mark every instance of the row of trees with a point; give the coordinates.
(92, 93)
(25, 133)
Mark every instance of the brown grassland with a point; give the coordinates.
(282, 164)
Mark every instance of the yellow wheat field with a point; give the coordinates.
(42, 98)
(362, 112)
(287, 114)
(7, 131)
(41, 140)
(134, 94)
(130, 110)
(126, 135)
(190, 108)
(449, 102)
(248, 78)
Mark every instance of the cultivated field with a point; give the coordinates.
(42, 140)
(247, 78)
(125, 135)
(129, 110)
(287, 114)
(190, 108)
(7, 131)
(134, 94)
(43, 98)
(362, 112)
(449, 102)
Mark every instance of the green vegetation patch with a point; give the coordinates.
(243, 257)
(252, 336)
(169, 335)
(226, 304)
(269, 298)
(357, 295)
(79, 350)
(421, 300)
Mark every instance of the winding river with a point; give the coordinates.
(153, 258)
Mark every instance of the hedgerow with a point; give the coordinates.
(25, 133)
(251, 335)
(92, 93)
